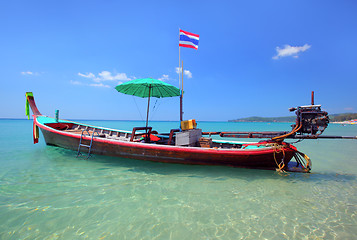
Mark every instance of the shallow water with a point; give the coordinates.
(47, 193)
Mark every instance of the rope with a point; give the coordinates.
(155, 105)
(301, 158)
(278, 148)
(142, 119)
(155, 108)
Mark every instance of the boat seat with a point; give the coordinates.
(76, 131)
(205, 142)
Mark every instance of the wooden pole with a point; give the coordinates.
(182, 76)
(179, 64)
(181, 95)
(312, 98)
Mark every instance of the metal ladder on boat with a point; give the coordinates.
(85, 145)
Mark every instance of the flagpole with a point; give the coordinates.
(181, 96)
(180, 72)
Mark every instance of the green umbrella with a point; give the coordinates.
(147, 88)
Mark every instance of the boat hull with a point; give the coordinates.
(265, 158)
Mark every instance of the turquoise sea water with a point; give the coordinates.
(47, 193)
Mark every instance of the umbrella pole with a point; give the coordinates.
(147, 114)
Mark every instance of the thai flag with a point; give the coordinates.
(189, 40)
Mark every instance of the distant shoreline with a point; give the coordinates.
(343, 118)
(290, 119)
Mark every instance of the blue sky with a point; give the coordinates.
(255, 58)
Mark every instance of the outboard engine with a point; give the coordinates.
(311, 120)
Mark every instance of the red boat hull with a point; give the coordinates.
(265, 158)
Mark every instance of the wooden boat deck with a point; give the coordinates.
(126, 136)
(165, 138)
(102, 133)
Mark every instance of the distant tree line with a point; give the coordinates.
(343, 117)
(333, 118)
(264, 119)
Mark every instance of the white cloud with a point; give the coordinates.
(105, 76)
(30, 73)
(88, 75)
(76, 82)
(178, 70)
(164, 77)
(99, 85)
(91, 84)
(348, 108)
(187, 73)
(27, 73)
(290, 51)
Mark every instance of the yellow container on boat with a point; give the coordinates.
(188, 124)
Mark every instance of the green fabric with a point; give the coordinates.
(28, 105)
(140, 88)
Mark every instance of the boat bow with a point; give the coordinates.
(30, 102)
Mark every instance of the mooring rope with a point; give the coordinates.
(278, 148)
(301, 158)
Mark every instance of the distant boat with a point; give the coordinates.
(185, 146)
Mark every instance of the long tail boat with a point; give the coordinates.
(186, 145)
